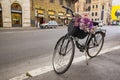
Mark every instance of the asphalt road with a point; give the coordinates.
(21, 51)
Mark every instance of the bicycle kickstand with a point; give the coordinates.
(86, 57)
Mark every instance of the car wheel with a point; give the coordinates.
(55, 26)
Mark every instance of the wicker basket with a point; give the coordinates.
(75, 31)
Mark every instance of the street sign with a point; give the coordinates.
(115, 13)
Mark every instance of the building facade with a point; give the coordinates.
(46, 10)
(98, 10)
(14, 13)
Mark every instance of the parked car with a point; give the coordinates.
(115, 22)
(100, 23)
(50, 24)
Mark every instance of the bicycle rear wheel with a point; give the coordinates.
(95, 44)
(63, 54)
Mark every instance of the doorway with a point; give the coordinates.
(1, 22)
(16, 14)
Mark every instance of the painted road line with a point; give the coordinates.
(26, 31)
(40, 71)
(46, 69)
(21, 77)
(109, 49)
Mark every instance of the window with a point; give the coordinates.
(93, 6)
(88, 1)
(95, 13)
(16, 6)
(51, 1)
(92, 13)
(77, 8)
(102, 7)
(0, 5)
(92, 19)
(96, 6)
(89, 8)
(1, 22)
(16, 13)
(61, 2)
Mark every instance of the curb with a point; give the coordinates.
(25, 28)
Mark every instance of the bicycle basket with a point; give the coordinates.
(75, 31)
(81, 34)
(71, 27)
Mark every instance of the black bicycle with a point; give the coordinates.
(65, 47)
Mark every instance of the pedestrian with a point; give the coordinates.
(35, 23)
(38, 24)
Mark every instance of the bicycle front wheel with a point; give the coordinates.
(95, 44)
(63, 54)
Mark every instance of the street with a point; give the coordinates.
(23, 51)
(20, 51)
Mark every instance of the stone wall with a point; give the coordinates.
(6, 12)
(46, 6)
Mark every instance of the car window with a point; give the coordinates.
(52, 23)
(49, 22)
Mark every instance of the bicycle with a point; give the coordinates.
(65, 47)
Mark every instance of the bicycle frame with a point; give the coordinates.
(79, 46)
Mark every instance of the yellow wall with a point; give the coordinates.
(46, 5)
(114, 9)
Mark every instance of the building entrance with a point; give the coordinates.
(1, 22)
(16, 13)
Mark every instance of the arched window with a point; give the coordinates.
(89, 8)
(88, 1)
(92, 13)
(1, 22)
(61, 2)
(16, 12)
(96, 13)
(16, 6)
(0, 5)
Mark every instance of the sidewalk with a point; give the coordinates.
(102, 67)
(17, 29)
(25, 28)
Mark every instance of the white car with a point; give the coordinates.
(50, 24)
(100, 23)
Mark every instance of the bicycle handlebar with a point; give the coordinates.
(68, 9)
(64, 7)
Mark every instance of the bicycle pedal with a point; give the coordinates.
(81, 50)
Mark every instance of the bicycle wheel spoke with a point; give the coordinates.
(68, 50)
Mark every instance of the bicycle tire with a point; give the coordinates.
(91, 45)
(58, 48)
